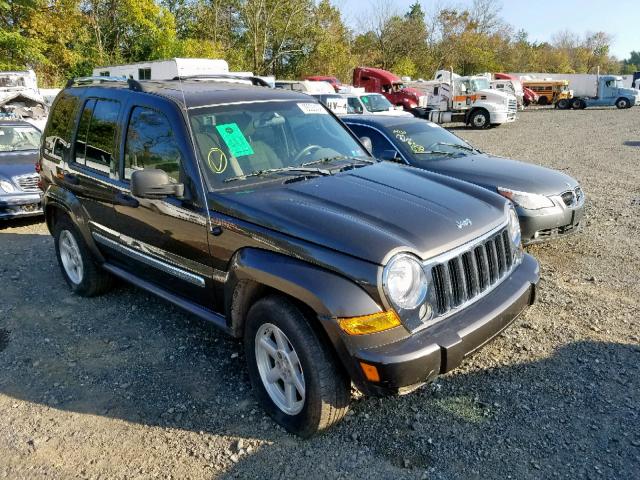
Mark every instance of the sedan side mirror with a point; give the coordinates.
(390, 155)
(366, 141)
(155, 184)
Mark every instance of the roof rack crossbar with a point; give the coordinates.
(223, 76)
(133, 84)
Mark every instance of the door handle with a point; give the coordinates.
(71, 178)
(125, 200)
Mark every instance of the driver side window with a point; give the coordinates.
(378, 141)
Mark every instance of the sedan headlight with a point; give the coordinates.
(404, 282)
(7, 186)
(530, 201)
(514, 227)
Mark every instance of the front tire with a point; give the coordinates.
(293, 372)
(623, 103)
(83, 275)
(480, 119)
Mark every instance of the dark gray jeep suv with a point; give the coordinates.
(257, 210)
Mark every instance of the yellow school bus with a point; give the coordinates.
(549, 91)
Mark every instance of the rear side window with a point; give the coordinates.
(151, 143)
(60, 127)
(96, 138)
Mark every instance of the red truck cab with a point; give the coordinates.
(376, 80)
(333, 81)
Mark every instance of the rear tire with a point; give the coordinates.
(562, 104)
(576, 104)
(79, 269)
(542, 101)
(623, 103)
(294, 374)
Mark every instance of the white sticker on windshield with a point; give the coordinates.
(312, 108)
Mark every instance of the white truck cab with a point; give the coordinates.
(469, 99)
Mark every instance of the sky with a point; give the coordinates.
(541, 18)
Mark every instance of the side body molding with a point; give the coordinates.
(328, 294)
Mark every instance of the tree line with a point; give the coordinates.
(61, 39)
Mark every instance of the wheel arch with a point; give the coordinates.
(255, 273)
(59, 202)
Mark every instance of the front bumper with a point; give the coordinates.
(549, 223)
(496, 118)
(414, 359)
(17, 205)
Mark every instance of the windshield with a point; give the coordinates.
(376, 103)
(475, 84)
(18, 138)
(426, 141)
(242, 139)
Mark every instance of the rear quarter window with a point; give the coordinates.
(57, 137)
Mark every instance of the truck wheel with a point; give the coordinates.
(562, 104)
(294, 374)
(83, 275)
(576, 104)
(480, 119)
(623, 103)
(542, 101)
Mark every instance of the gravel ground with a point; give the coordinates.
(126, 386)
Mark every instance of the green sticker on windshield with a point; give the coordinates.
(235, 140)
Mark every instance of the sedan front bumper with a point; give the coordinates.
(550, 223)
(17, 205)
(410, 361)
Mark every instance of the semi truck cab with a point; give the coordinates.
(609, 91)
(376, 80)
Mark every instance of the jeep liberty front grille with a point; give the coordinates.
(476, 270)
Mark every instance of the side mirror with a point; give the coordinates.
(366, 141)
(155, 184)
(390, 155)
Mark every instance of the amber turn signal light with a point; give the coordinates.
(376, 322)
(370, 371)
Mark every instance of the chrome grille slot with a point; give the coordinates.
(470, 272)
(28, 183)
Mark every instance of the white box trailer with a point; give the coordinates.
(164, 69)
(581, 84)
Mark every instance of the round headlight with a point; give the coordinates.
(7, 186)
(404, 282)
(514, 227)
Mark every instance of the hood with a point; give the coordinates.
(372, 211)
(394, 113)
(17, 163)
(491, 172)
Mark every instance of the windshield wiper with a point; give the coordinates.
(269, 171)
(455, 145)
(435, 152)
(336, 158)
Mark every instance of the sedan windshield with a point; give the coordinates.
(376, 103)
(253, 141)
(15, 138)
(421, 140)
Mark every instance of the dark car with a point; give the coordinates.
(20, 195)
(257, 210)
(549, 203)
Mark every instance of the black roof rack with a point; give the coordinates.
(257, 81)
(80, 81)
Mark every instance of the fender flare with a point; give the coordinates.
(329, 295)
(56, 198)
